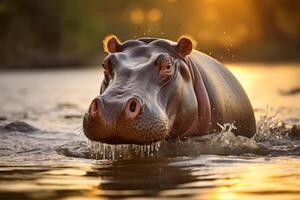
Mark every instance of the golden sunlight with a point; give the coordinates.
(137, 16)
(154, 15)
(256, 180)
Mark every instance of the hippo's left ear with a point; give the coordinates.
(111, 44)
(184, 46)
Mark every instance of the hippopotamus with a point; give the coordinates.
(156, 89)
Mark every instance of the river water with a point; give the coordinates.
(45, 155)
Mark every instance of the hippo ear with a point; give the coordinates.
(111, 44)
(184, 46)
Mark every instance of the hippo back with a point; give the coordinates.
(229, 102)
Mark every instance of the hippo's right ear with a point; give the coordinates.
(111, 44)
(184, 46)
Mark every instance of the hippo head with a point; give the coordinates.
(147, 93)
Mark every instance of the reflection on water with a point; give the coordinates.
(204, 177)
(34, 164)
(270, 179)
(264, 85)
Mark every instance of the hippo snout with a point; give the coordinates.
(120, 122)
(131, 110)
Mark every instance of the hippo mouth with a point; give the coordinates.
(132, 126)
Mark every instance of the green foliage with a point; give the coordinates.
(37, 33)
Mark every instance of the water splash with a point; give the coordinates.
(269, 127)
(122, 151)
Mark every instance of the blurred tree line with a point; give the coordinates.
(51, 33)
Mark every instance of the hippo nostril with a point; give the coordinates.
(94, 106)
(132, 106)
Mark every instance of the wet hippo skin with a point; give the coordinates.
(155, 89)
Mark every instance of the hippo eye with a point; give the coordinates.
(165, 69)
(107, 71)
(107, 67)
(166, 65)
